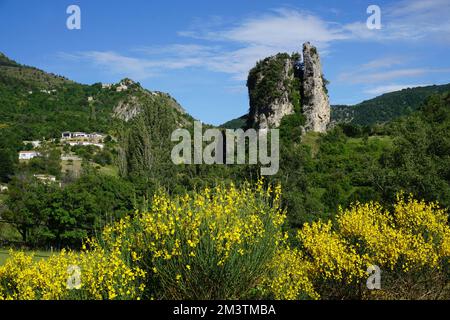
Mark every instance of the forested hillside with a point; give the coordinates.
(386, 107)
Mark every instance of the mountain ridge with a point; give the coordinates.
(386, 107)
(39, 104)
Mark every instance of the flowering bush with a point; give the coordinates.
(227, 243)
(215, 244)
(410, 246)
(103, 276)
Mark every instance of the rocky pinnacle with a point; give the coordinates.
(315, 104)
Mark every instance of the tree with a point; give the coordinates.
(25, 202)
(6, 165)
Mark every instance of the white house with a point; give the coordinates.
(71, 135)
(66, 135)
(86, 143)
(96, 136)
(92, 137)
(121, 87)
(79, 135)
(27, 155)
(45, 177)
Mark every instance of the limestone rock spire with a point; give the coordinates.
(315, 102)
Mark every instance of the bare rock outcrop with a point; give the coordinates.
(315, 102)
(270, 84)
(285, 84)
(136, 100)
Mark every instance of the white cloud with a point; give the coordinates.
(407, 20)
(417, 19)
(423, 10)
(385, 62)
(115, 63)
(370, 77)
(255, 38)
(363, 76)
(391, 87)
(247, 42)
(234, 48)
(282, 28)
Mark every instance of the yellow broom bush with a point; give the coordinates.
(410, 245)
(228, 243)
(214, 244)
(103, 276)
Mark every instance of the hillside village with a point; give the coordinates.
(70, 145)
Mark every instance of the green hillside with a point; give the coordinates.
(381, 109)
(386, 107)
(35, 105)
(41, 104)
(235, 123)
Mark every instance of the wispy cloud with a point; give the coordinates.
(250, 40)
(384, 62)
(283, 27)
(115, 63)
(363, 76)
(231, 49)
(391, 87)
(218, 45)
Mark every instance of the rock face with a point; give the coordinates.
(128, 109)
(270, 84)
(138, 99)
(316, 106)
(284, 84)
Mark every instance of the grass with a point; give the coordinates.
(75, 168)
(38, 255)
(71, 166)
(109, 170)
(311, 139)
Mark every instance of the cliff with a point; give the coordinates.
(286, 84)
(274, 91)
(316, 106)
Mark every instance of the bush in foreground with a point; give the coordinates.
(216, 244)
(227, 243)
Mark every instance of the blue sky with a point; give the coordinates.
(200, 51)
